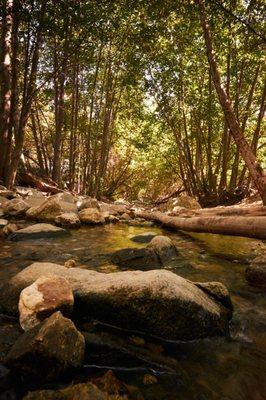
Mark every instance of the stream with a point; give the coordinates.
(217, 368)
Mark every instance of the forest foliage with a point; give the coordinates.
(116, 98)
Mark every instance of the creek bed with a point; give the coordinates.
(217, 368)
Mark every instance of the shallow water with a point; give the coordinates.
(217, 368)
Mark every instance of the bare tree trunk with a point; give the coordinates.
(5, 100)
(29, 90)
(59, 115)
(239, 226)
(245, 150)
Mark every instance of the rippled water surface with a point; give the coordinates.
(218, 368)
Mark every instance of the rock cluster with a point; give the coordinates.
(46, 295)
(63, 209)
(158, 302)
(46, 350)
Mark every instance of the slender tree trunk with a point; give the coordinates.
(245, 150)
(29, 90)
(59, 116)
(5, 100)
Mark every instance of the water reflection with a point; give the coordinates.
(219, 368)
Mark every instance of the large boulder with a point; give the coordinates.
(35, 201)
(38, 231)
(41, 299)
(136, 258)
(256, 272)
(91, 216)
(50, 209)
(158, 302)
(68, 220)
(16, 208)
(48, 349)
(164, 247)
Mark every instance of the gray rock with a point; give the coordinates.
(50, 209)
(113, 209)
(28, 191)
(46, 295)
(8, 194)
(112, 219)
(256, 272)
(16, 208)
(47, 349)
(89, 202)
(184, 201)
(68, 220)
(164, 247)
(80, 391)
(158, 302)
(3, 200)
(218, 291)
(91, 216)
(35, 201)
(3, 223)
(37, 231)
(106, 387)
(65, 197)
(136, 258)
(145, 237)
(10, 228)
(125, 216)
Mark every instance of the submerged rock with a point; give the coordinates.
(106, 387)
(91, 216)
(37, 231)
(41, 299)
(157, 302)
(81, 391)
(218, 291)
(256, 272)
(145, 237)
(46, 350)
(164, 247)
(159, 251)
(136, 258)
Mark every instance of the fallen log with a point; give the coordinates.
(249, 226)
(27, 178)
(245, 211)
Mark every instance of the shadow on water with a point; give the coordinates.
(229, 368)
